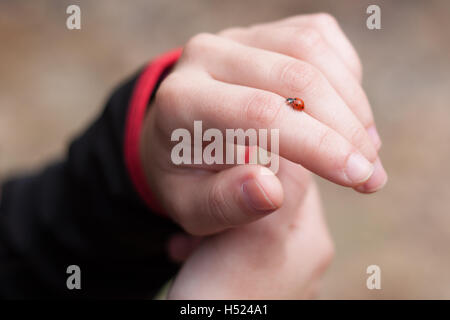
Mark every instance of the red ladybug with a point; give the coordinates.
(296, 103)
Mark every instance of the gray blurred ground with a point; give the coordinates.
(53, 82)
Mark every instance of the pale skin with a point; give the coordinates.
(265, 234)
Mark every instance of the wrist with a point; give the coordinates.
(142, 93)
(145, 156)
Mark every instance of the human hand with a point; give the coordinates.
(282, 256)
(240, 79)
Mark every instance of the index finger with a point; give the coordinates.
(302, 138)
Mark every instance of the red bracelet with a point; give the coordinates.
(141, 95)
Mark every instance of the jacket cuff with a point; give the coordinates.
(142, 93)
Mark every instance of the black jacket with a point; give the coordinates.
(87, 211)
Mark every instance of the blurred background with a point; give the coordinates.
(53, 82)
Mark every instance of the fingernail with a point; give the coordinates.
(377, 181)
(358, 169)
(373, 134)
(255, 195)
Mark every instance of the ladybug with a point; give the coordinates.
(296, 103)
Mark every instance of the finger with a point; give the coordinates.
(287, 77)
(295, 180)
(302, 138)
(333, 34)
(309, 45)
(296, 250)
(229, 198)
(311, 227)
(376, 182)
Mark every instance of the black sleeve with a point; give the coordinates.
(83, 211)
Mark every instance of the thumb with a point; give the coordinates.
(230, 198)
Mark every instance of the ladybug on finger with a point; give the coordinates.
(296, 103)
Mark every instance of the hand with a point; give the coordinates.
(282, 256)
(240, 79)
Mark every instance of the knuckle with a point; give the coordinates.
(232, 32)
(325, 140)
(296, 18)
(165, 89)
(168, 92)
(218, 207)
(309, 40)
(297, 76)
(358, 137)
(325, 19)
(262, 109)
(198, 43)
